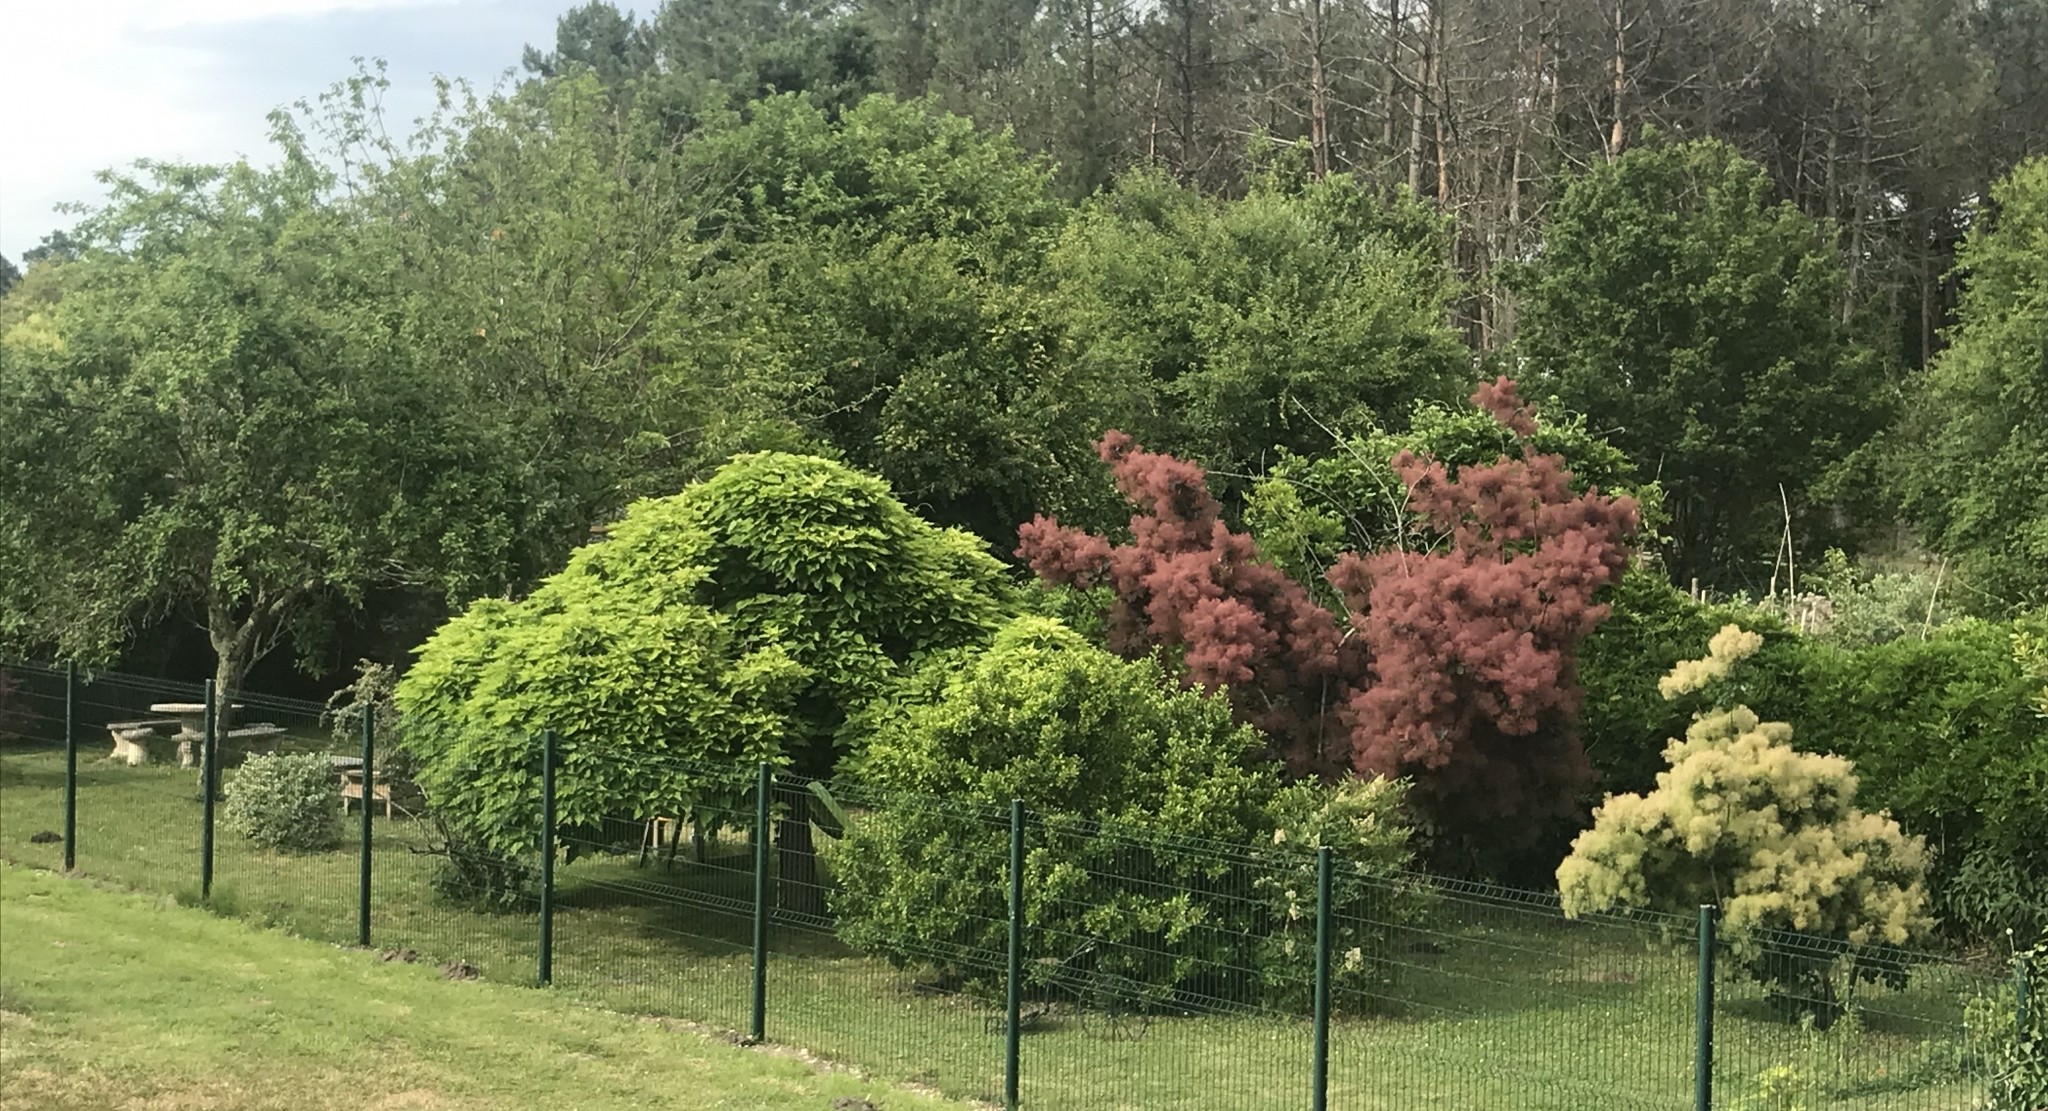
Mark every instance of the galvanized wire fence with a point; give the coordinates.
(998, 955)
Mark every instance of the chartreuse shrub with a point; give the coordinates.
(283, 802)
(1772, 836)
(739, 621)
(1161, 855)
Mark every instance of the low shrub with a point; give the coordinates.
(284, 802)
(1362, 823)
(2014, 1035)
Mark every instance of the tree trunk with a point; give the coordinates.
(1619, 130)
(1319, 92)
(798, 888)
(1422, 85)
(1391, 89)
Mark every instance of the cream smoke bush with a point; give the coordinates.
(1743, 820)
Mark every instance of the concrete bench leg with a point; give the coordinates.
(130, 749)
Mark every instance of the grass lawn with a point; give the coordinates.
(110, 999)
(1496, 1007)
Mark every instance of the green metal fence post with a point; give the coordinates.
(1320, 1070)
(70, 766)
(547, 856)
(1703, 1029)
(757, 1026)
(1013, 971)
(206, 747)
(369, 793)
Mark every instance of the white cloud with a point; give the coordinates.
(100, 83)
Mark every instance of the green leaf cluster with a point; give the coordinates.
(1974, 472)
(1344, 495)
(1699, 328)
(1944, 731)
(1232, 328)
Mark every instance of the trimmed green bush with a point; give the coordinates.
(1125, 774)
(287, 803)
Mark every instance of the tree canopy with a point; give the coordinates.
(1699, 328)
(1975, 473)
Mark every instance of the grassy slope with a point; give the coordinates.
(113, 1000)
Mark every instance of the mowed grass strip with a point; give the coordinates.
(114, 1000)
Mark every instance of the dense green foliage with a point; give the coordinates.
(1945, 732)
(2019, 1035)
(739, 621)
(736, 250)
(1975, 476)
(1236, 330)
(215, 423)
(283, 802)
(1310, 507)
(1698, 326)
(1118, 768)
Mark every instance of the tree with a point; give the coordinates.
(744, 619)
(537, 250)
(1457, 664)
(881, 270)
(1699, 329)
(1974, 472)
(218, 425)
(599, 37)
(1771, 836)
(1233, 327)
(9, 275)
(1309, 509)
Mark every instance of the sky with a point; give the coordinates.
(94, 84)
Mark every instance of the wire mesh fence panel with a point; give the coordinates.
(1809, 1021)
(1153, 970)
(1169, 969)
(918, 1001)
(424, 906)
(141, 808)
(287, 852)
(1469, 1001)
(32, 715)
(654, 905)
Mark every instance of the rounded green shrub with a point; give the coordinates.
(1152, 858)
(284, 802)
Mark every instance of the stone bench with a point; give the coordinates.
(132, 738)
(254, 737)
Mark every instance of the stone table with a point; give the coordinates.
(191, 727)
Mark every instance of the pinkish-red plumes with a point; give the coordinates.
(1457, 667)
